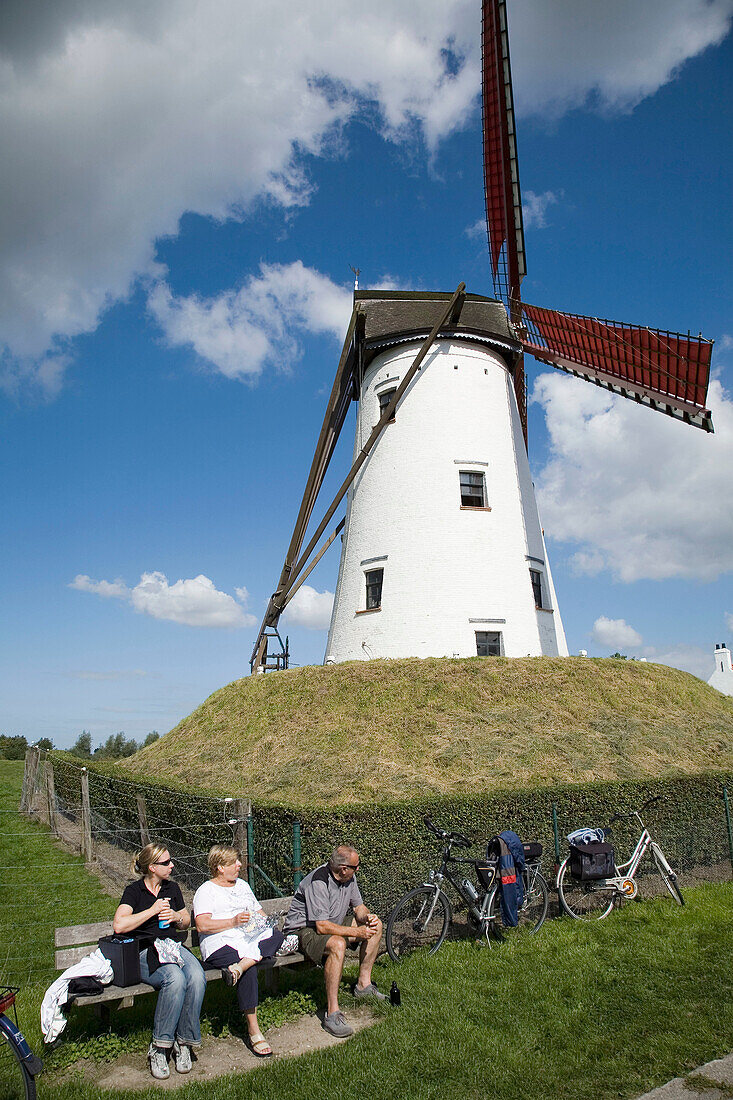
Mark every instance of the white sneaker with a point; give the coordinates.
(158, 1062)
(182, 1056)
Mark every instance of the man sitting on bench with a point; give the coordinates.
(317, 914)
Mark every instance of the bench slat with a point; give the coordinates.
(82, 933)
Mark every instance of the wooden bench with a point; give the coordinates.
(74, 943)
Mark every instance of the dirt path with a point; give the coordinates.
(218, 1057)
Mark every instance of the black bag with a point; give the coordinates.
(532, 852)
(593, 861)
(124, 954)
(485, 871)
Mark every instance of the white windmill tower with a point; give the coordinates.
(443, 551)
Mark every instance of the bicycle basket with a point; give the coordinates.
(485, 871)
(532, 852)
(592, 861)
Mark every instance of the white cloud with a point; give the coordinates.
(725, 343)
(116, 119)
(534, 208)
(615, 633)
(638, 493)
(688, 658)
(241, 332)
(571, 53)
(476, 231)
(729, 620)
(193, 602)
(310, 608)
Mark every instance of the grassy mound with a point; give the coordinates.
(395, 729)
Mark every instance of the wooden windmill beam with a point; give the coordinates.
(333, 421)
(284, 593)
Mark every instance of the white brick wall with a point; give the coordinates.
(443, 566)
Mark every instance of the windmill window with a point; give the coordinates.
(488, 643)
(374, 578)
(536, 578)
(473, 489)
(384, 400)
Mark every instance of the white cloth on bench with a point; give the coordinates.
(169, 951)
(53, 1021)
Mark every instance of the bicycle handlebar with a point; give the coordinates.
(458, 839)
(636, 813)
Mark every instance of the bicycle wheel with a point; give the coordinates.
(583, 900)
(15, 1081)
(533, 911)
(669, 878)
(420, 919)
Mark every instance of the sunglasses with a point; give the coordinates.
(162, 863)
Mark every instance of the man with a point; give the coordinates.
(317, 914)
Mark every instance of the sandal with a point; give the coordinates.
(259, 1045)
(229, 976)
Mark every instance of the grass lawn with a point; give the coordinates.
(579, 1011)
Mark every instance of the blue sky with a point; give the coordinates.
(183, 191)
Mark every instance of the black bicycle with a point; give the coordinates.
(19, 1066)
(423, 916)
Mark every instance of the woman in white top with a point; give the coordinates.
(233, 934)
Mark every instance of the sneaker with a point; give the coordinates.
(182, 1056)
(158, 1061)
(369, 991)
(336, 1025)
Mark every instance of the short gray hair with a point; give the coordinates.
(342, 855)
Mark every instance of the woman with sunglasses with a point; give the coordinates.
(153, 908)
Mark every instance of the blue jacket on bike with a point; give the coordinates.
(510, 850)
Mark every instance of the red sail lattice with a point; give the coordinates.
(663, 364)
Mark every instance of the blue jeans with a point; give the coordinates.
(181, 991)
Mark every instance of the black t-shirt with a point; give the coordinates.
(139, 898)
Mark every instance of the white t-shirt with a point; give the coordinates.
(223, 902)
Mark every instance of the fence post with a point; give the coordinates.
(297, 874)
(242, 811)
(51, 796)
(86, 818)
(250, 850)
(555, 833)
(142, 816)
(30, 775)
(727, 821)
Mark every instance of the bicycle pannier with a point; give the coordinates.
(532, 851)
(591, 861)
(124, 954)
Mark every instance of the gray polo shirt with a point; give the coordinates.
(320, 897)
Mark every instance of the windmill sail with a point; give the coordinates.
(667, 371)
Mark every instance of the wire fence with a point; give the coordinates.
(106, 818)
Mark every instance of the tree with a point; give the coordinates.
(45, 743)
(83, 745)
(13, 748)
(152, 736)
(116, 747)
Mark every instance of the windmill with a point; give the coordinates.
(441, 535)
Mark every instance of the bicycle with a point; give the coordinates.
(19, 1066)
(594, 900)
(423, 916)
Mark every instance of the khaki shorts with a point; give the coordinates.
(312, 944)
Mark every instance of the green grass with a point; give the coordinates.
(442, 726)
(604, 1011)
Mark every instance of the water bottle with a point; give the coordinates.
(163, 923)
(395, 997)
(469, 889)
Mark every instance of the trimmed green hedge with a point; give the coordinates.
(396, 850)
